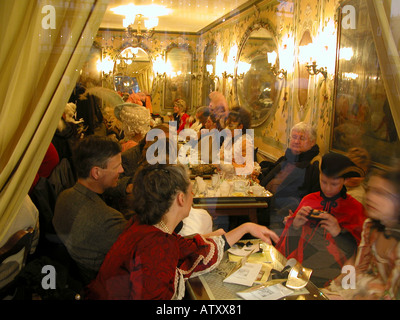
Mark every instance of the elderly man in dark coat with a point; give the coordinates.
(292, 176)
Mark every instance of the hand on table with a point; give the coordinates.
(256, 230)
(263, 233)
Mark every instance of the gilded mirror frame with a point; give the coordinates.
(257, 121)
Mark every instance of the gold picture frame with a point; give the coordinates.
(361, 112)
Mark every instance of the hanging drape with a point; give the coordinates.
(143, 72)
(43, 47)
(388, 54)
(144, 77)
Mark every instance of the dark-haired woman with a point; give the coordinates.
(150, 261)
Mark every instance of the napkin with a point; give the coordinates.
(225, 188)
(200, 185)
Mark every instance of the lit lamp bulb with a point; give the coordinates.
(346, 53)
(129, 19)
(243, 68)
(151, 23)
(106, 65)
(159, 66)
(272, 60)
(219, 65)
(272, 57)
(306, 53)
(99, 65)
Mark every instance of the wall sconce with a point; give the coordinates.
(225, 70)
(195, 76)
(105, 66)
(272, 59)
(326, 58)
(307, 56)
(228, 68)
(210, 72)
(314, 70)
(160, 67)
(227, 75)
(230, 64)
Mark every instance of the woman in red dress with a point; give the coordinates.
(180, 115)
(149, 260)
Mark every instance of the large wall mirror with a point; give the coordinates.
(178, 80)
(133, 71)
(363, 107)
(257, 88)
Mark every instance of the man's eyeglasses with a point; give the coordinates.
(298, 137)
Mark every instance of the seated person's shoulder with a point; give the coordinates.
(353, 201)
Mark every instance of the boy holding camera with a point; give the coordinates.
(325, 230)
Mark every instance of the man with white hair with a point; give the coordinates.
(292, 176)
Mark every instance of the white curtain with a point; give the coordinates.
(42, 51)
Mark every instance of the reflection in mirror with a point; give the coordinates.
(133, 71)
(210, 55)
(257, 89)
(364, 110)
(91, 74)
(178, 80)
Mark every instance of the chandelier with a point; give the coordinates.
(143, 29)
(140, 20)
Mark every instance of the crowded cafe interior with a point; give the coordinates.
(200, 150)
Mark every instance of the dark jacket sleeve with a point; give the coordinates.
(311, 180)
(270, 174)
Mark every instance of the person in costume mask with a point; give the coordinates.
(325, 230)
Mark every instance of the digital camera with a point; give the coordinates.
(316, 214)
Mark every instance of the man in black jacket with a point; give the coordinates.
(292, 176)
